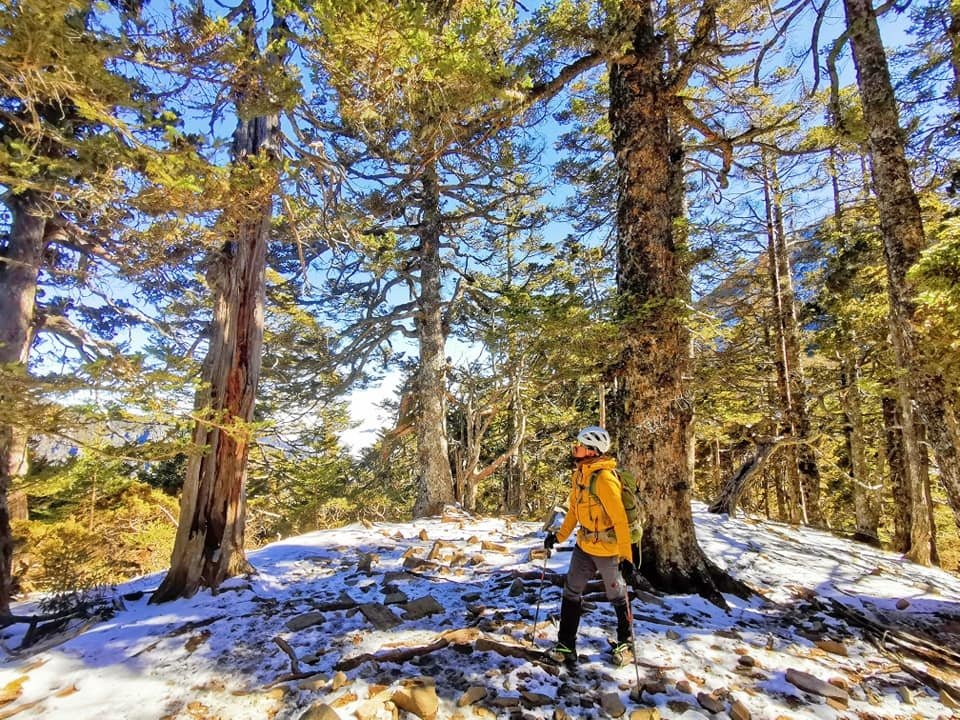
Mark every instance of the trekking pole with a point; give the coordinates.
(543, 574)
(552, 524)
(633, 641)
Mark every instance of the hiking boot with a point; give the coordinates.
(560, 653)
(622, 654)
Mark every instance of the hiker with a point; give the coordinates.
(603, 544)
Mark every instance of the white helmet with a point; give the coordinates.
(595, 438)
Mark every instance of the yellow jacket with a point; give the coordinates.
(603, 521)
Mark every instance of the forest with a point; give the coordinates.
(727, 232)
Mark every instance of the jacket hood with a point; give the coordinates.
(603, 462)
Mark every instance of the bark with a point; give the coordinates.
(953, 33)
(802, 469)
(514, 480)
(19, 267)
(902, 505)
(653, 287)
(866, 497)
(901, 228)
(209, 545)
(435, 480)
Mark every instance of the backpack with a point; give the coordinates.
(628, 495)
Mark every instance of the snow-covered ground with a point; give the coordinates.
(290, 641)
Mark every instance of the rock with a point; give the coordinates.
(421, 607)
(832, 646)
(809, 683)
(673, 635)
(739, 711)
(395, 598)
(710, 702)
(379, 615)
(684, 686)
(423, 535)
(903, 604)
(948, 700)
(313, 684)
(365, 564)
(839, 705)
(418, 696)
(649, 713)
(538, 554)
(505, 701)
(532, 699)
(655, 686)
(729, 634)
(370, 710)
(472, 695)
(320, 711)
(345, 699)
(516, 588)
(339, 680)
(301, 622)
(473, 540)
(612, 705)
(746, 661)
(493, 547)
(905, 694)
(560, 714)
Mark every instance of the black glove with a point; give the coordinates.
(549, 541)
(628, 572)
(636, 554)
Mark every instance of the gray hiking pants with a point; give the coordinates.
(583, 568)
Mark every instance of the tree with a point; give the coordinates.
(210, 536)
(413, 122)
(901, 228)
(654, 288)
(71, 145)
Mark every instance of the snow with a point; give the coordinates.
(216, 656)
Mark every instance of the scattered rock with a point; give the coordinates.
(320, 711)
(673, 635)
(395, 598)
(365, 564)
(538, 554)
(301, 622)
(505, 701)
(345, 699)
(493, 547)
(423, 535)
(421, 607)
(832, 646)
(380, 616)
(905, 694)
(532, 699)
(612, 705)
(313, 684)
(649, 713)
(339, 680)
(903, 604)
(739, 711)
(710, 702)
(418, 696)
(729, 634)
(516, 588)
(809, 683)
(746, 661)
(472, 695)
(948, 700)
(684, 686)
(655, 686)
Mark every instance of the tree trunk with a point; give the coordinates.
(899, 482)
(19, 268)
(514, 480)
(901, 228)
(866, 498)
(209, 546)
(435, 481)
(953, 32)
(729, 496)
(653, 287)
(802, 469)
